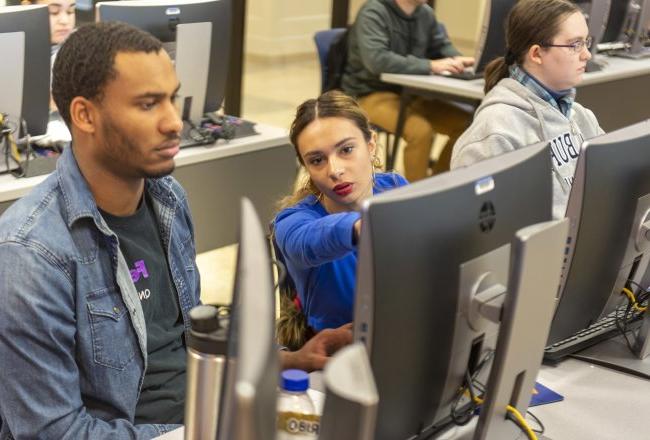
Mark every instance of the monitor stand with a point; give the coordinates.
(12, 52)
(192, 64)
(637, 48)
(526, 317)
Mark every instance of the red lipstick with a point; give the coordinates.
(343, 189)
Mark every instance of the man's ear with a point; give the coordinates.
(535, 54)
(83, 114)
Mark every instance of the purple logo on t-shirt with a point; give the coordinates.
(140, 270)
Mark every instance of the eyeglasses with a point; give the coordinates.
(577, 47)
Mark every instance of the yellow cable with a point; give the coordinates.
(522, 422)
(520, 419)
(630, 296)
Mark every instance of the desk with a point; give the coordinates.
(599, 404)
(261, 167)
(619, 95)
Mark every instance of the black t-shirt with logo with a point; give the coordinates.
(162, 398)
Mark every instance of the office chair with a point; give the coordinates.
(331, 80)
(291, 329)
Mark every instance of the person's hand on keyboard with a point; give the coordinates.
(447, 66)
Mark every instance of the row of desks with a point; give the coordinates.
(619, 95)
(261, 167)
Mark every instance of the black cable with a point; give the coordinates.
(542, 428)
(462, 416)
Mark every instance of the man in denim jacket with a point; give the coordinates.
(83, 354)
(75, 339)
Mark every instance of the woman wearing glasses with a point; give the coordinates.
(530, 93)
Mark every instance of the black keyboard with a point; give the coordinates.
(603, 329)
(467, 75)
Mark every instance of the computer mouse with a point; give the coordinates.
(445, 73)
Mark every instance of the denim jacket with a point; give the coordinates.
(73, 348)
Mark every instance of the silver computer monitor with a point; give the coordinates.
(608, 247)
(426, 250)
(196, 33)
(25, 72)
(248, 401)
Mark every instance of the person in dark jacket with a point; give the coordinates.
(403, 36)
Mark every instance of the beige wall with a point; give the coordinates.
(462, 19)
(285, 27)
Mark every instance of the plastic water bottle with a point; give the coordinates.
(297, 417)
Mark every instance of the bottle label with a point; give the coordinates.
(298, 426)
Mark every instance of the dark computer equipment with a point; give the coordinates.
(196, 33)
(492, 40)
(636, 31)
(617, 13)
(248, 401)
(350, 410)
(596, 13)
(25, 73)
(424, 251)
(525, 322)
(628, 29)
(608, 246)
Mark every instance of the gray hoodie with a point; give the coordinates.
(512, 116)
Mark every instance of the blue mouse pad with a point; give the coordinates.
(543, 395)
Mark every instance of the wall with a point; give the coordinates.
(284, 27)
(462, 22)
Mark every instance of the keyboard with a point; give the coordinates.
(467, 74)
(600, 330)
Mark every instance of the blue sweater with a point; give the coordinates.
(321, 256)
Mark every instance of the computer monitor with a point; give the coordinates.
(596, 13)
(423, 252)
(491, 43)
(25, 72)
(197, 32)
(608, 247)
(248, 402)
(617, 13)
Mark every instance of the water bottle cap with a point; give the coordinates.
(294, 380)
(204, 319)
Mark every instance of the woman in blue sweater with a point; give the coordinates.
(318, 228)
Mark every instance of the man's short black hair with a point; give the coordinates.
(85, 62)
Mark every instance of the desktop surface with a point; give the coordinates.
(598, 403)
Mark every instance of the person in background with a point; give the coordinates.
(62, 18)
(531, 92)
(403, 36)
(317, 230)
